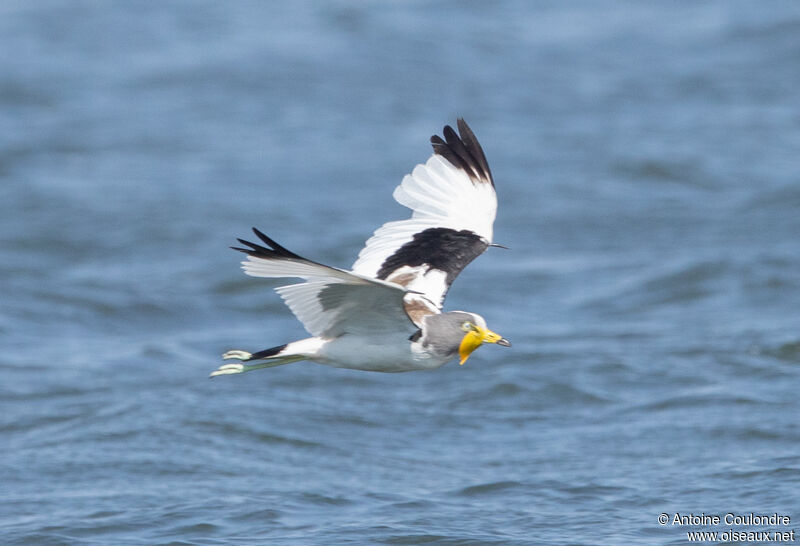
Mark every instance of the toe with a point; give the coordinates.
(236, 354)
(227, 369)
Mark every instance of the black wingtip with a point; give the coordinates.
(463, 150)
(272, 251)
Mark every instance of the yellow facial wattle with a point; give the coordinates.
(475, 338)
(471, 341)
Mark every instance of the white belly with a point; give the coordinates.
(389, 353)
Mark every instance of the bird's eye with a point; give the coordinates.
(468, 326)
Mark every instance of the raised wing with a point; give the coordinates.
(454, 205)
(332, 302)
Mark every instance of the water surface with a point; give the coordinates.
(646, 165)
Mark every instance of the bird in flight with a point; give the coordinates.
(385, 315)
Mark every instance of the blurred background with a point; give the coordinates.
(646, 162)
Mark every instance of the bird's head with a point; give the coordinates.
(467, 332)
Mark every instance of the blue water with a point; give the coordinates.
(646, 160)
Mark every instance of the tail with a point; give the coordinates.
(275, 356)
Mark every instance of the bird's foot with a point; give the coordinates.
(237, 355)
(240, 367)
(227, 369)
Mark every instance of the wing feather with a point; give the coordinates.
(331, 302)
(453, 203)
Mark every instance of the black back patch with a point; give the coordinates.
(441, 248)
